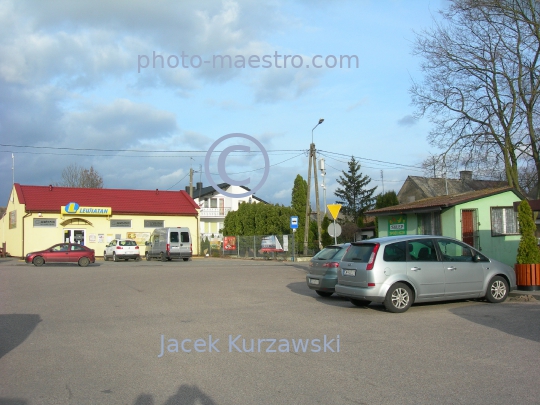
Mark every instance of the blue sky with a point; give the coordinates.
(69, 79)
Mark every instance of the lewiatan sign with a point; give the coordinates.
(73, 208)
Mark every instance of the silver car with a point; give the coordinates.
(401, 270)
(322, 276)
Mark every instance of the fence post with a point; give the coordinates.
(254, 251)
(238, 247)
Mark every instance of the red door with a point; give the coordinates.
(468, 226)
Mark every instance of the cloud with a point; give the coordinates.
(276, 85)
(407, 121)
(360, 103)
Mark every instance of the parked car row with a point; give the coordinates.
(164, 244)
(399, 271)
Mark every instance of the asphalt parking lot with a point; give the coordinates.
(72, 335)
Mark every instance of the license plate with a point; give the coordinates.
(349, 272)
(314, 281)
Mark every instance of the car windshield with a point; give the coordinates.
(127, 243)
(359, 253)
(328, 253)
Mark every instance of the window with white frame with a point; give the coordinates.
(504, 221)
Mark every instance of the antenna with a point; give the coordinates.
(13, 170)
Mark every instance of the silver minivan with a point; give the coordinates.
(169, 243)
(401, 270)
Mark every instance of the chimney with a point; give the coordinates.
(465, 175)
(199, 185)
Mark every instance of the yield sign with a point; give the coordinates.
(334, 210)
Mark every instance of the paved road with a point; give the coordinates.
(71, 335)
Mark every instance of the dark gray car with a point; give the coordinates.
(323, 267)
(401, 270)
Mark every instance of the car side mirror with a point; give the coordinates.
(146, 243)
(477, 258)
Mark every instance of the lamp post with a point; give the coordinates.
(312, 161)
(319, 123)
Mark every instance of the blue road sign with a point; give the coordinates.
(294, 222)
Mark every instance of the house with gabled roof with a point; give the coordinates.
(418, 188)
(39, 216)
(485, 219)
(214, 206)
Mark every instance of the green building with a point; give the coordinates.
(485, 219)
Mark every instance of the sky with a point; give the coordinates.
(137, 91)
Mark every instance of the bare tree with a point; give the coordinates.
(481, 84)
(77, 176)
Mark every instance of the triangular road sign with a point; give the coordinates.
(334, 210)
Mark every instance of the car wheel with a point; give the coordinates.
(398, 299)
(127, 260)
(115, 258)
(84, 261)
(186, 259)
(38, 261)
(360, 303)
(105, 258)
(497, 290)
(324, 293)
(162, 257)
(147, 257)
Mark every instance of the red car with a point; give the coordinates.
(63, 253)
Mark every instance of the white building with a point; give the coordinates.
(215, 207)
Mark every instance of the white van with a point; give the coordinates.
(169, 243)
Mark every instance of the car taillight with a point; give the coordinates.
(168, 247)
(191, 247)
(372, 257)
(371, 284)
(119, 247)
(136, 247)
(331, 264)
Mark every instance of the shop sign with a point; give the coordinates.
(154, 223)
(44, 222)
(397, 225)
(120, 223)
(73, 208)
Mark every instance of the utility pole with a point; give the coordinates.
(323, 173)
(382, 181)
(312, 162)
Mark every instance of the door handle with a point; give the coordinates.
(451, 268)
(416, 268)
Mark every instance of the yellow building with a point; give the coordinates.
(37, 217)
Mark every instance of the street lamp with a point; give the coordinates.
(320, 122)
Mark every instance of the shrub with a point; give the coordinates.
(528, 252)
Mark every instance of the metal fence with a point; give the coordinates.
(270, 247)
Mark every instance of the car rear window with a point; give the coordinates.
(174, 237)
(359, 253)
(127, 243)
(328, 253)
(185, 237)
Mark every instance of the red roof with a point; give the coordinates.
(156, 202)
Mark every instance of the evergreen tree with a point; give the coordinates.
(298, 205)
(528, 252)
(354, 196)
(387, 199)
